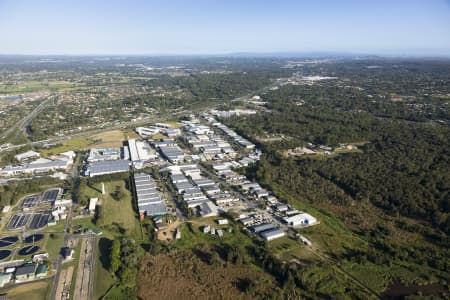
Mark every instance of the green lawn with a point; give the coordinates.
(192, 236)
(286, 248)
(31, 291)
(119, 219)
(116, 213)
(53, 245)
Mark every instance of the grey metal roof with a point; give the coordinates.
(106, 167)
(263, 227)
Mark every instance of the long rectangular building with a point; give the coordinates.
(149, 200)
(107, 167)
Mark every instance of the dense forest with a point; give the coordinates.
(404, 159)
(397, 183)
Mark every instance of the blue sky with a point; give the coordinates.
(214, 27)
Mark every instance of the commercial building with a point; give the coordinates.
(224, 198)
(263, 227)
(148, 131)
(208, 209)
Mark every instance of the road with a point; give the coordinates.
(20, 125)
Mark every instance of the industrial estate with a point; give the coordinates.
(223, 178)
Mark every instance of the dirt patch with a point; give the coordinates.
(185, 275)
(106, 139)
(65, 281)
(168, 234)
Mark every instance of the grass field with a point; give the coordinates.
(119, 220)
(173, 123)
(286, 248)
(113, 138)
(69, 144)
(192, 236)
(32, 291)
(121, 210)
(107, 139)
(53, 245)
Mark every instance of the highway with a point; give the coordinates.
(86, 132)
(20, 125)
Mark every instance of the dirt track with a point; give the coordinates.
(84, 272)
(65, 281)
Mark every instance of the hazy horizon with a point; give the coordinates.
(207, 28)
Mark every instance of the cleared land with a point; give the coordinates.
(169, 232)
(65, 281)
(107, 139)
(84, 273)
(31, 291)
(185, 275)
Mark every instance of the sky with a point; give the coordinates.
(170, 27)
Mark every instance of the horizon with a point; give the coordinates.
(176, 28)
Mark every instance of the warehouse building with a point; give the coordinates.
(149, 199)
(27, 155)
(140, 153)
(107, 167)
(270, 235)
(41, 165)
(103, 154)
(301, 219)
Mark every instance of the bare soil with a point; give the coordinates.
(187, 274)
(168, 234)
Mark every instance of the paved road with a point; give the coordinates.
(20, 125)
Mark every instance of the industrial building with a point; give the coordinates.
(41, 165)
(103, 154)
(107, 167)
(140, 153)
(301, 219)
(173, 154)
(27, 155)
(272, 234)
(149, 199)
